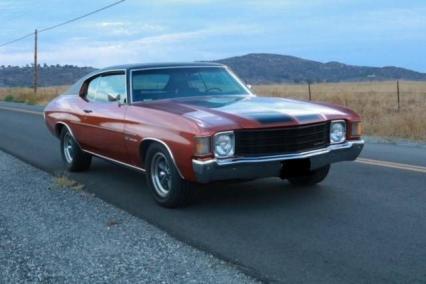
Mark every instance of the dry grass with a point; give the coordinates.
(376, 102)
(65, 182)
(26, 95)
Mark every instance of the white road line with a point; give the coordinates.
(21, 110)
(392, 165)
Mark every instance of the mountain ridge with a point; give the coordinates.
(253, 68)
(267, 68)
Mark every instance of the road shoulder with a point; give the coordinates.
(50, 233)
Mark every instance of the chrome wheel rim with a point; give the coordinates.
(68, 148)
(160, 174)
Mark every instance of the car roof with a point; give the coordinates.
(73, 89)
(161, 65)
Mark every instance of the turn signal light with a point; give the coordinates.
(202, 146)
(356, 129)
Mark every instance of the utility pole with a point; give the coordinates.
(397, 93)
(309, 90)
(35, 62)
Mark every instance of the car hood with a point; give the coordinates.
(247, 111)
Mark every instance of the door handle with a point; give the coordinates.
(88, 111)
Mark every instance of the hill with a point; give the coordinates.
(258, 68)
(50, 75)
(274, 68)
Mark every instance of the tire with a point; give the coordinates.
(74, 158)
(168, 188)
(310, 178)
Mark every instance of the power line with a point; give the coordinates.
(62, 24)
(80, 17)
(18, 39)
(36, 32)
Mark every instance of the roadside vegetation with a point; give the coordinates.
(377, 102)
(63, 181)
(26, 95)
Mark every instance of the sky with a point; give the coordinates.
(358, 32)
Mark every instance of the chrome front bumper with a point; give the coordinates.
(271, 166)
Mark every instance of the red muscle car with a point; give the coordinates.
(188, 123)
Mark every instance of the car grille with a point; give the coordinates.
(281, 140)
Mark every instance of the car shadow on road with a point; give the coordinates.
(127, 188)
(257, 193)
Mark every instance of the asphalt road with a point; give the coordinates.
(365, 223)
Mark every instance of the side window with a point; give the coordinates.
(91, 90)
(111, 88)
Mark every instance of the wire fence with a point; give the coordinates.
(388, 109)
(396, 95)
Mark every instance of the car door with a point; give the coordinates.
(104, 116)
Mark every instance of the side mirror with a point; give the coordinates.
(114, 97)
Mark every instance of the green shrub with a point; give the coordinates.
(9, 98)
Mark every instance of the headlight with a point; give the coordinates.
(224, 144)
(337, 131)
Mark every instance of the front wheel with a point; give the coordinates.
(310, 177)
(168, 188)
(74, 158)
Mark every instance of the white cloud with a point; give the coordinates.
(398, 18)
(6, 5)
(291, 4)
(224, 30)
(179, 46)
(110, 24)
(358, 28)
(126, 28)
(185, 2)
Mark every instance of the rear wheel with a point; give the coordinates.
(308, 178)
(168, 188)
(74, 158)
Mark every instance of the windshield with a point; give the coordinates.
(167, 83)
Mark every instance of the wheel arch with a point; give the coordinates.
(58, 129)
(147, 142)
(59, 126)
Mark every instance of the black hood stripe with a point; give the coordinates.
(309, 117)
(268, 117)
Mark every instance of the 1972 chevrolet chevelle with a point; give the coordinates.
(192, 123)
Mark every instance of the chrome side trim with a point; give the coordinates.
(168, 149)
(114, 161)
(180, 67)
(98, 155)
(303, 155)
